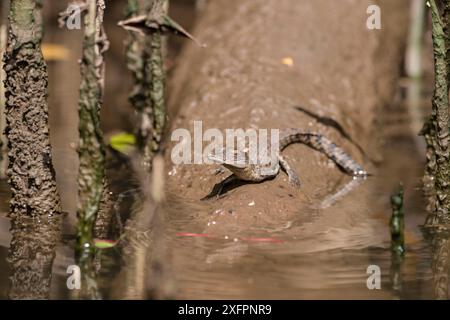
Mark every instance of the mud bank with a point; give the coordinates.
(338, 69)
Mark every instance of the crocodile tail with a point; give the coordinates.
(327, 147)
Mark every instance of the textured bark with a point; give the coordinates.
(135, 50)
(441, 116)
(4, 7)
(158, 84)
(137, 56)
(157, 91)
(30, 170)
(146, 62)
(447, 39)
(429, 133)
(91, 177)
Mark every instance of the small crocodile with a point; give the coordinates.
(243, 169)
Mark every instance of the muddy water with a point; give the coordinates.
(294, 259)
(299, 263)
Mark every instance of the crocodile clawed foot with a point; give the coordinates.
(218, 188)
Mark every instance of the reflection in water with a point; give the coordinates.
(134, 271)
(89, 285)
(440, 262)
(341, 193)
(31, 256)
(397, 224)
(397, 228)
(145, 272)
(396, 274)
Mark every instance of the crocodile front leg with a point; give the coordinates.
(294, 180)
(218, 188)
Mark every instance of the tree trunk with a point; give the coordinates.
(30, 170)
(4, 7)
(91, 151)
(146, 62)
(137, 52)
(438, 125)
(447, 37)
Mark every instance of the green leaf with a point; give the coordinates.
(123, 142)
(104, 244)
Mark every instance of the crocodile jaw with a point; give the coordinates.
(248, 172)
(232, 159)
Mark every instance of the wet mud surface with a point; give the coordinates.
(239, 81)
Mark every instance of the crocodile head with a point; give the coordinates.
(244, 166)
(230, 158)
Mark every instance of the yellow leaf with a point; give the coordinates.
(288, 61)
(55, 52)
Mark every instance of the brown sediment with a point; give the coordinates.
(30, 170)
(240, 81)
